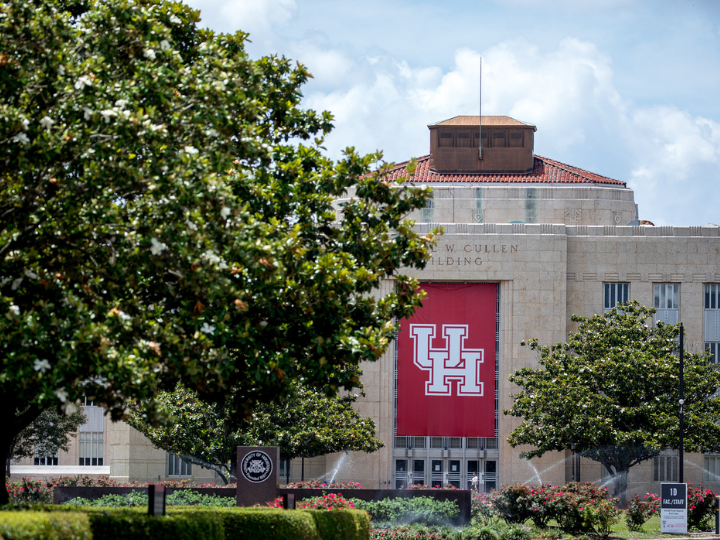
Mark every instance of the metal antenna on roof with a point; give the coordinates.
(480, 119)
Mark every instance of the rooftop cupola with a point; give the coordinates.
(507, 145)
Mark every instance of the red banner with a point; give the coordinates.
(446, 363)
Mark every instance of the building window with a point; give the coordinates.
(427, 213)
(91, 448)
(714, 351)
(498, 140)
(284, 470)
(711, 468)
(48, 459)
(436, 442)
(178, 466)
(615, 293)
(516, 139)
(712, 320)
(666, 297)
(446, 139)
(463, 140)
(665, 467)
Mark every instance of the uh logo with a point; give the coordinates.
(445, 365)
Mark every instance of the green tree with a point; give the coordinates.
(304, 424)
(166, 214)
(48, 433)
(613, 390)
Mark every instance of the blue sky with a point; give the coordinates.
(625, 88)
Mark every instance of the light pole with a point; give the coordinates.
(681, 402)
(572, 461)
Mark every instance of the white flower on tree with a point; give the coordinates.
(157, 247)
(149, 54)
(61, 394)
(47, 122)
(225, 212)
(41, 365)
(21, 138)
(207, 328)
(82, 82)
(190, 150)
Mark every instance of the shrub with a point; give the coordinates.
(515, 532)
(409, 510)
(106, 481)
(265, 524)
(434, 486)
(127, 525)
(639, 510)
(576, 507)
(316, 484)
(177, 498)
(44, 526)
(29, 490)
(348, 525)
(512, 502)
(483, 509)
(701, 508)
(330, 501)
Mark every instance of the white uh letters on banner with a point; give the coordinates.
(454, 363)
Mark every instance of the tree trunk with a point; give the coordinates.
(233, 467)
(621, 481)
(17, 423)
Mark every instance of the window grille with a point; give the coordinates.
(666, 300)
(178, 467)
(615, 293)
(90, 448)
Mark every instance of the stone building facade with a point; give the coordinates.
(555, 240)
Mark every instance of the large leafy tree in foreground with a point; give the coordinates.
(304, 424)
(613, 389)
(166, 215)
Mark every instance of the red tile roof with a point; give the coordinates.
(545, 171)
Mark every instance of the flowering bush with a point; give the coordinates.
(701, 508)
(106, 481)
(513, 504)
(483, 510)
(316, 484)
(328, 501)
(576, 507)
(29, 490)
(639, 510)
(435, 486)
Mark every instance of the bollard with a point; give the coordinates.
(717, 514)
(288, 501)
(156, 500)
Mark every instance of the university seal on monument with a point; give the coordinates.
(256, 466)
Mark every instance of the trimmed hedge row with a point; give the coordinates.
(44, 525)
(186, 524)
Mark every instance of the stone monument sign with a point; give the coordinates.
(257, 474)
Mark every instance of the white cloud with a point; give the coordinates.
(258, 17)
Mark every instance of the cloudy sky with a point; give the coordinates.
(625, 88)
